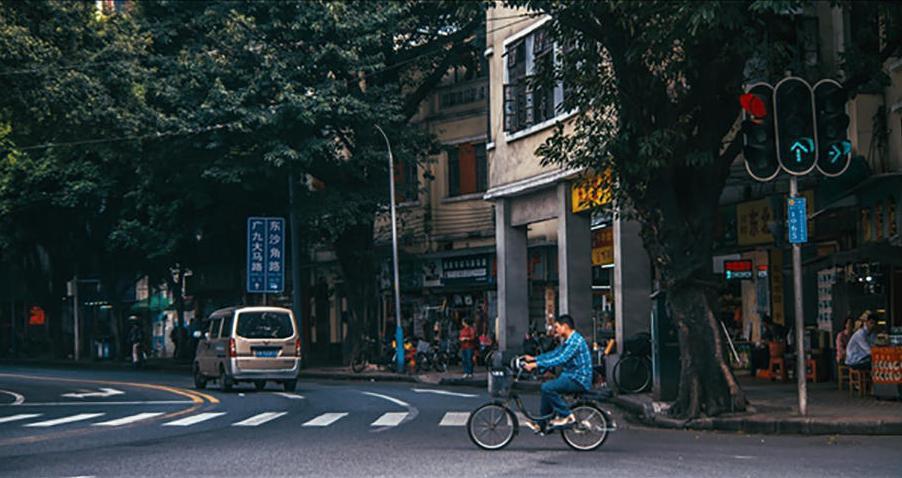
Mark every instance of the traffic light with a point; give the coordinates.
(834, 148)
(758, 132)
(796, 137)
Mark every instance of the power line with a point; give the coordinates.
(161, 134)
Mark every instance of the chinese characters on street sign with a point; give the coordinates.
(265, 255)
(798, 220)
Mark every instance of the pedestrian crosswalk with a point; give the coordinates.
(390, 419)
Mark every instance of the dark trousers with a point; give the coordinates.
(467, 356)
(863, 365)
(552, 401)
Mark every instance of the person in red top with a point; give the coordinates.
(467, 345)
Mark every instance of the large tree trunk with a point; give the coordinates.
(707, 385)
(354, 248)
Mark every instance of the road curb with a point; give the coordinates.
(101, 365)
(356, 376)
(759, 424)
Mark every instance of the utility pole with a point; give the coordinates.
(77, 324)
(399, 331)
(294, 228)
(799, 312)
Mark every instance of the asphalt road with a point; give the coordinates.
(117, 423)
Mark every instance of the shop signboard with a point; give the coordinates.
(738, 270)
(432, 273)
(591, 192)
(776, 286)
(603, 246)
(753, 220)
(466, 270)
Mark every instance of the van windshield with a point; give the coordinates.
(264, 325)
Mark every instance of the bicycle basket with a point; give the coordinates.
(500, 382)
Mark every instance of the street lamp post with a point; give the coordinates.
(399, 331)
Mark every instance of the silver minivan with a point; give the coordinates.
(249, 344)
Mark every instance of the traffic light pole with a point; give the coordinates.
(799, 313)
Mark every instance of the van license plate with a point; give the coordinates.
(265, 353)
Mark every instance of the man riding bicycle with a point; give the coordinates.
(576, 374)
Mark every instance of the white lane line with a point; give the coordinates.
(386, 397)
(21, 416)
(81, 404)
(193, 419)
(260, 419)
(130, 419)
(454, 419)
(444, 392)
(292, 396)
(59, 421)
(17, 399)
(325, 420)
(391, 419)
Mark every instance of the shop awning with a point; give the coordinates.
(887, 252)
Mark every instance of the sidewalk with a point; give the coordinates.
(773, 409)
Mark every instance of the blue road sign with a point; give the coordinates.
(265, 255)
(797, 213)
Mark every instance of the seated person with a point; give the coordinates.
(858, 352)
(576, 373)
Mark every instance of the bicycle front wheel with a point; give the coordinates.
(632, 374)
(359, 363)
(492, 426)
(590, 430)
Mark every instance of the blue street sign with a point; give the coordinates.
(265, 255)
(797, 213)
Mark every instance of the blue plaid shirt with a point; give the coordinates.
(573, 355)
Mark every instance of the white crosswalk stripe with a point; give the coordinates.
(260, 419)
(21, 416)
(391, 419)
(454, 419)
(70, 419)
(127, 420)
(325, 420)
(194, 419)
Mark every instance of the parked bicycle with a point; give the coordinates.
(430, 357)
(494, 425)
(369, 354)
(632, 373)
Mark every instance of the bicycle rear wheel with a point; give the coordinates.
(492, 426)
(632, 374)
(359, 363)
(590, 430)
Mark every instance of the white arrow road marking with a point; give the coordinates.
(127, 420)
(104, 392)
(391, 419)
(325, 420)
(259, 419)
(188, 421)
(386, 397)
(21, 416)
(444, 392)
(292, 396)
(70, 419)
(454, 419)
(17, 399)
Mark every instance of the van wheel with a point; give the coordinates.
(290, 385)
(200, 382)
(260, 385)
(225, 382)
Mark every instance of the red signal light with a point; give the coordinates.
(753, 105)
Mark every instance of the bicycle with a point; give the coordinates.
(493, 425)
(368, 354)
(632, 373)
(431, 358)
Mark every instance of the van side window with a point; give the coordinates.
(214, 328)
(227, 325)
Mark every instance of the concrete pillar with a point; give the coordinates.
(513, 300)
(574, 244)
(632, 282)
